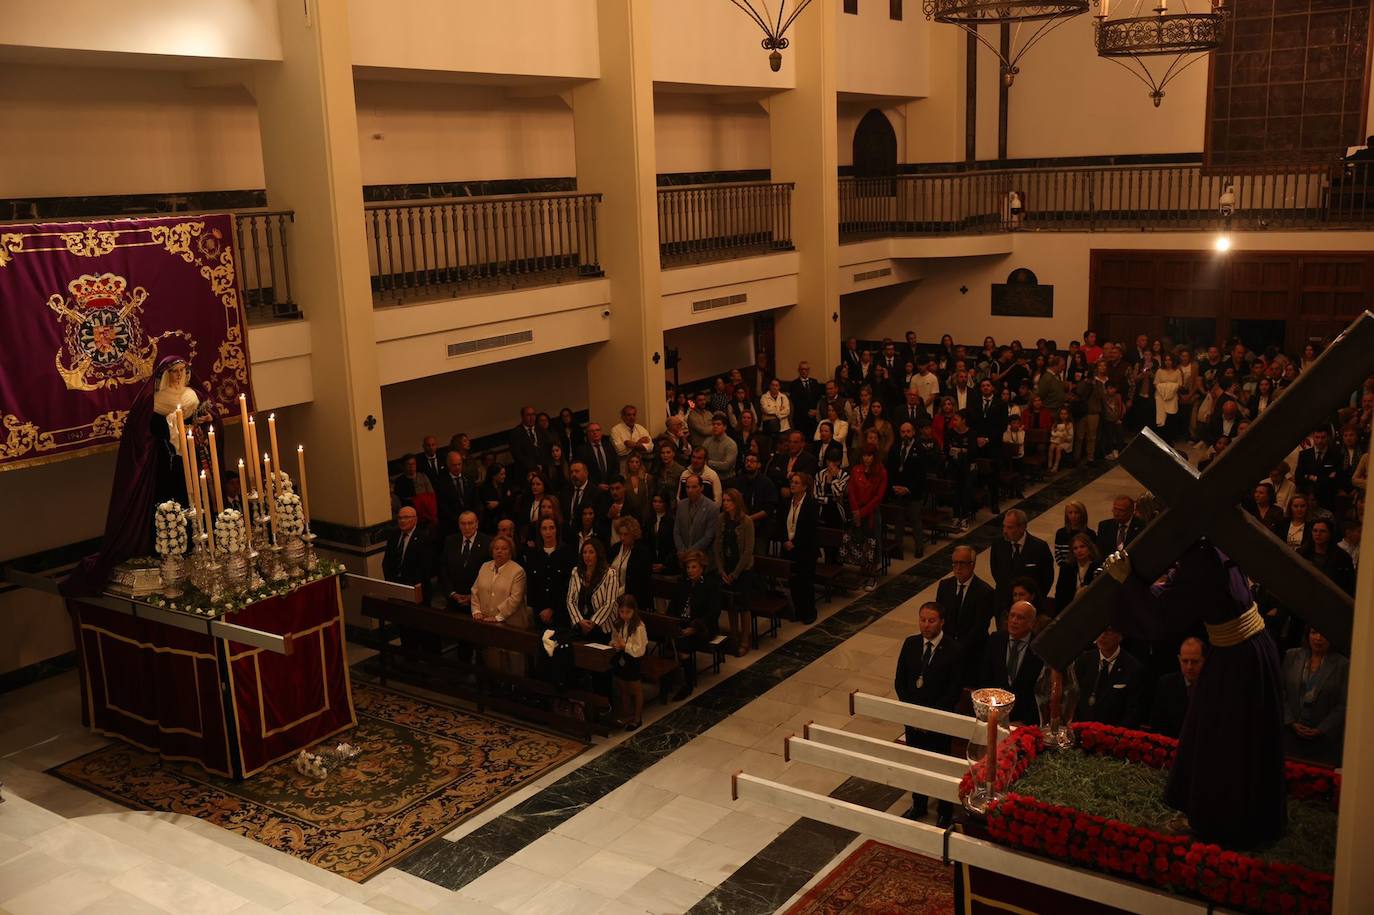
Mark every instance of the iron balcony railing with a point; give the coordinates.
(1161, 198)
(711, 222)
(264, 266)
(457, 246)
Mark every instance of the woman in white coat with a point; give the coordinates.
(498, 597)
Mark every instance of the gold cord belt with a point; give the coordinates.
(1246, 626)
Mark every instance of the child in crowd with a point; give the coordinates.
(1351, 542)
(1061, 438)
(1113, 411)
(1014, 437)
(629, 640)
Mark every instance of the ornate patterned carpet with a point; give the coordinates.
(423, 769)
(881, 880)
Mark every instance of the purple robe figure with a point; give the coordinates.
(1228, 774)
(147, 472)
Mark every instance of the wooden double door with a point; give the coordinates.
(1280, 298)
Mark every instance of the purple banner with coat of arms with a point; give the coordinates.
(87, 309)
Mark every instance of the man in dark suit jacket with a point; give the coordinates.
(431, 460)
(930, 673)
(906, 485)
(581, 492)
(1112, 687)
(1121, 528)
(1019, 553)
(968, 604)
(1319, 470)
(1175, 691)
(805, 393)
(1008, 662)
(987, 419)
(464, 553)
(791, 458)
(528, 446)
(851, 356)
(454, 494)
(599, 456)
(406, 561)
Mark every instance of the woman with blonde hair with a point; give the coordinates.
(734, 549)
(1075, 522)
(498, 596)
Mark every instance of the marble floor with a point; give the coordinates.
(640, 823)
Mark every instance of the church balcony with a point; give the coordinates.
(701, 223)
(1182, 197)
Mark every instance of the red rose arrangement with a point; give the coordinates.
(1175, 863)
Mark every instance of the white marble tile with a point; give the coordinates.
(92, 851)
(175, 890)
(609, 874)
(554, 854)
(743, 832)
(26, 872)
(561, 898)
(665, 893)
(13, 848)
(649, 844)
(686, 816)
(768, 711)
(421, 894)
(62, 895)
(597, 826)
(506, 886)
(390, 905)
(636, 798)
(121, 903)
(23, 819)
(706, 862)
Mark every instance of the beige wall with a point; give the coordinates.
(76, 132)
(880, 56)
(548, 37)
(701, 133)
(713, 348)
(935, 124)
(416, 132)
(712, 44)
(243, 29)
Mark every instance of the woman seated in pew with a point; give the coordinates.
(592, 592)
(734, 549)
(629, 639)
(631, 561)
(498, 597)
(696, 606)
(548, 566)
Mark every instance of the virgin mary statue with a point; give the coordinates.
(147, 473)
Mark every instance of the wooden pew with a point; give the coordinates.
(771, 599)
(476, 682)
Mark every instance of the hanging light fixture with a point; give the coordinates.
(970, 14)
(1183, 37)
(774, 26)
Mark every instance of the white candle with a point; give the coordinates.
(247, 511)
(271, 500)
(276, 456)
(188, 463)
(257, 468)
(245, 484)
(209, 526)
(217, 488)
(305, 488)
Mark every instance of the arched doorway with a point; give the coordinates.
(875, 147)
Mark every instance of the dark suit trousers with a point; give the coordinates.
(908, 512)
(936, 743)
(803, 587)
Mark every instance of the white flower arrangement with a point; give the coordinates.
(311, 765)
(290, 516)
(170, 529)
(282, 479)
(229, 531)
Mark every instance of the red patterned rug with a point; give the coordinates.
(881, 880)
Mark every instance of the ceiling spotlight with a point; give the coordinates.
(1223, 243)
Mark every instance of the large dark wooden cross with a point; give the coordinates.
(1208, 504)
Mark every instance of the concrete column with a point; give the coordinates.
(802, 124)
(613, 119)
(1354, 879)
(310, 156)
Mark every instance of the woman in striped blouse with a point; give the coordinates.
(592, 592)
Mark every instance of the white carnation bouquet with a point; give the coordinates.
(170, 529)
(229, 531)
(280, 478)
(290, 516)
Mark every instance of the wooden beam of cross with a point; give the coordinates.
(1206, 505)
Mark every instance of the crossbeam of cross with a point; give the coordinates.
(1208, 505)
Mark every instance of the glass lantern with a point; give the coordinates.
(992, 710)
(1056, 695)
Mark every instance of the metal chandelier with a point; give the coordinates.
(774, 26)
(1182, 37)
(970, 14)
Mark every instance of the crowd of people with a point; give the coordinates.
(567, 530)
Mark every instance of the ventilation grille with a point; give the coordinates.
(468, 347)
(738, 298)
(872, 274)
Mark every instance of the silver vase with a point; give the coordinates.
(295, 556)
(173, 570)
(236, 573)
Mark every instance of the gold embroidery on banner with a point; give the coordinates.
(90, 243)
(20, 437)
(104, 344)
(177, 238)
(10, 243)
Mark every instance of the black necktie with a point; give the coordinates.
(925, 658)
(577, 500)
(405, 542)
(1013, 661)
(467, 549)
(963, 586)
(533, 440)
(600, 459)
(1104, 670)
(1015, 550)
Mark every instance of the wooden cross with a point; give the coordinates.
(1207, 504)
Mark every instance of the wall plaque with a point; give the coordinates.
(1022, 296)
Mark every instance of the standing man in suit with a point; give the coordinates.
(1112, 687)
(464, 553)
(791, 458)
(1019, 553)
(581, 492)
(929, 673)
(454, 494)
(1319, 470)
(913, 409)
(851, 357)
(528, 445)
(431, 460)
(599, 457)
(968, 604)
(987, 419)
(906, 478)
(805, 393)
(694, 528)
(406, 561)
(1008, 662)
(1175, 691)
(1118, 531)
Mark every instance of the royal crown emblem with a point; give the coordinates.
(104, 345)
